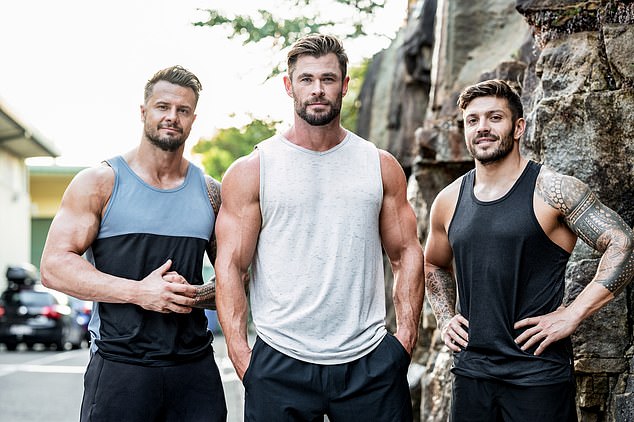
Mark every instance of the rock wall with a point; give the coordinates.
(573, 62)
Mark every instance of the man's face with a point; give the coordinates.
(490, 132)
(168, 115)
(317, 88)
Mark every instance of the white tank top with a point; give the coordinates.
(317, 292)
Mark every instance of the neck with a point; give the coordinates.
(494, 180)
(162, 169)
(501, 169)
(316, 138)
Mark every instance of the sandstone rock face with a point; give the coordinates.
(573, 62)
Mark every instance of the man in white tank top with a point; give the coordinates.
(310, 211)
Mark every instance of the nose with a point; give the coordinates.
(171, 114)
(483, 126)
(317, 89)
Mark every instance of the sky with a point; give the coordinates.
(74, 70)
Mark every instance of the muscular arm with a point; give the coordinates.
(602, 229)
(206, 294)
(73, 230)
(237, 231)
(597, 225)
(439, 278)
(398, 234)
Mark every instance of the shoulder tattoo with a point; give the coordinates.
(597, 225)
(213, 190)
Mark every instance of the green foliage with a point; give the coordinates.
(229, 144)
(281, 32)
(351, 103)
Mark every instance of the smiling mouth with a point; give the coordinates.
(485, 140)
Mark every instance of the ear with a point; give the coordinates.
(344, 88)
(520, 127)
(288, 86)
(142, 108)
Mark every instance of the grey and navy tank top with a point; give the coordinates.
(317, 292)
(507, 270)
(143, 227)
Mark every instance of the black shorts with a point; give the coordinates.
(115, 391)
(373, 388)
(489, 401)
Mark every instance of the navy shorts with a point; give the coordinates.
(373, 388)
(476, 400)
(115, 391)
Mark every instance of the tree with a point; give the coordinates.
(351, 103)
(348, 19)
(229, 144)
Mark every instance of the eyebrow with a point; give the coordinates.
(487, 112)
(331, 74)
(164, 102)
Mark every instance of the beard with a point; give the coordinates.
(166, 142)
(321, 118)
(504, 148)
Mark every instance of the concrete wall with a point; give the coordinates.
(15, 216)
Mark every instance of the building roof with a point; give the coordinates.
(21, 141)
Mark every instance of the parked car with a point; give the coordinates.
(34, 314)
(83, 309)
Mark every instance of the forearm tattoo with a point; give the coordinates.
(441, 292)
(206, 295)
(597, 225)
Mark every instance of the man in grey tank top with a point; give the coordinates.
(309, 211)
(144, 219)
(507, 228)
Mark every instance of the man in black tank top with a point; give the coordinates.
(499, 241)
(144, 220)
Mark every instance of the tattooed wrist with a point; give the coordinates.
(441, 292)
(206, 296)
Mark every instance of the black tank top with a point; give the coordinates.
(507, 269)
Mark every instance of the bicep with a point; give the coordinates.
(397, 219)
(596, 224)
(239, 219)
(77, 221)
(438, 251)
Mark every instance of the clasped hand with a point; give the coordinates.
(166, 291)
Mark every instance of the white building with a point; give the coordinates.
(17, 143)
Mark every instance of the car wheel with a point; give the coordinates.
(60, 344)
(11, 346)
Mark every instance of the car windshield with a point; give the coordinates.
(29, 298)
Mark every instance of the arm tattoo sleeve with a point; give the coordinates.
(597, 225)
(441, 292)
(206, 295)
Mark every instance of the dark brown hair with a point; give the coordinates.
(493, 88)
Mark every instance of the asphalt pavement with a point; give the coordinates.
(47, 385)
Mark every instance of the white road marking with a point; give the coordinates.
(43, 364)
